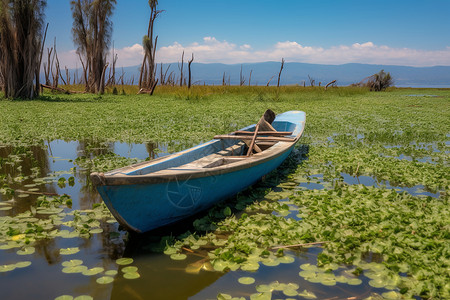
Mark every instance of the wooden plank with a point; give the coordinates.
(271, 133)
(258, 138)
(255, 146)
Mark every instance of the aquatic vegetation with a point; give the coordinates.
(366, 191)
(104, 162)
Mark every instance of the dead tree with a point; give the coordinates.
(112, 70)
(181, 69)
(91, 30)
(149, 64)
(163, 75)
(250, 77)
(48, 66)
(312, 81)
(67, 75)
(189, 70)
(378, 82)
(241, 78)
(279, 73)
(332, 83)
(224, 83)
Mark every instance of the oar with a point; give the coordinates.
(264, 122)
(252, 143)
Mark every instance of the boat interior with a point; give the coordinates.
(222, 150)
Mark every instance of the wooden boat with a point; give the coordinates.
(155, 193)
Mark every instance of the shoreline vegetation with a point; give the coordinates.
(367, 187)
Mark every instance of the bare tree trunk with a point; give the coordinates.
(268, 82)
(330, 83)
(142, 71)
(250, 77)
(85, 75)
(224, 80)
(279, 74)
(241, 78)
(189, 68)
(150, 81)
(48, 67)
(181, 69)
(101, 88)
(38, 69)
(311, 81)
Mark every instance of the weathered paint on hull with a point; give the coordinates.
(143, 207)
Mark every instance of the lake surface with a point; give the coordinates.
(38, 171)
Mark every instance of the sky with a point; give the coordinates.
(390, 32)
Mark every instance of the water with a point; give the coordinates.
(160, 276)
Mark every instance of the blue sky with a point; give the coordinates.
(397, 32)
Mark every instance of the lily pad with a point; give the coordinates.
(354, 281)
(377, 283)
(124, 261)
(93, 271)
(129, 269)
(286, 259)
(250, 266)
(290, 292)
(131, 275)
(307, 295)
(104, 280)
(111, 273)
(26, 251)
(23, 264)
(72, 263)
(75, 269)
(7, 268)
(69, 251)
(246, 280)
(178, 256)
(309, 267)
(392, 295)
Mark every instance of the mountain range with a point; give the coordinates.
(298, 73)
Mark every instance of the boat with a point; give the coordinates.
(155, 193)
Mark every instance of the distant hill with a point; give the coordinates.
(297, 73)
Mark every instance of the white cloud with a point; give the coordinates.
(211, 50)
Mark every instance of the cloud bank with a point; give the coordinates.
(211, 50)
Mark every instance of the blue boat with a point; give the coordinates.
(155, 193)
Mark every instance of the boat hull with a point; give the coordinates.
(152, 194)
(143, 207)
